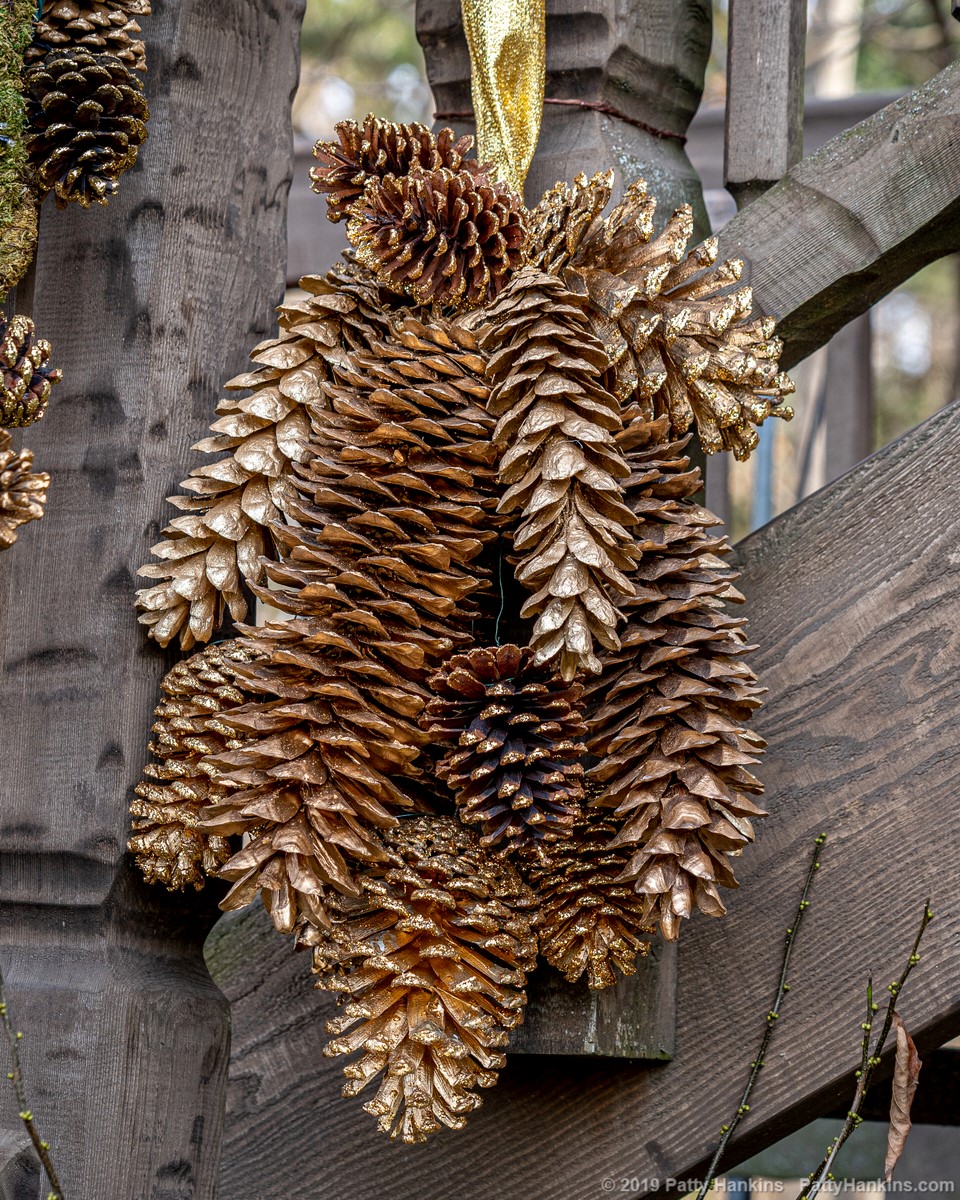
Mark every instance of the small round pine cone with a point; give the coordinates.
(23, 492)
(516, 730)
(28, 377)
(378, 148)
(448, 237)
(87, 119)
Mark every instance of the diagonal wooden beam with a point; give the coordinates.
(851, 221)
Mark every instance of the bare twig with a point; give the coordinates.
(726, 1131)
(15, 1075)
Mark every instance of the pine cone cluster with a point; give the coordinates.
(168, 842)
(561, 468)
(667, 718)
(516, 767)
(588, 920)
(28, 377)
(676, 326)
(23, 491)
(109, 28)
(450, 237)
(430, 965)
(87, 116)
(375, 149)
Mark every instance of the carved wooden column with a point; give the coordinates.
(149, 305)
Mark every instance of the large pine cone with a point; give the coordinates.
(87, 119)
(430, 964)
(169, 845)
(378, 148)
(450, 237)
(516, 768)
(667, 717)
(100, 27)
(23, 492)
(28, 377)
(588, 919)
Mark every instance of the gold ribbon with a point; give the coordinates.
(507, 40)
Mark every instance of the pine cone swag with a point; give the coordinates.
(667, 717)
(676, 326)
(376, 149)
(430, 965)
(28, 377)
(237, 501)
(99, 27)
(562, 468)
(448, 237)
(516, 728)
(378, 574)
(23, 492)
(87, 118)
(587, 920)
(168, 843)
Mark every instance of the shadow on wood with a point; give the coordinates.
(19, 1167)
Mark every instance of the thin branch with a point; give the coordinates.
(771, 1018)
(16, 1078)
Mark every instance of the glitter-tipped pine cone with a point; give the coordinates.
(28, 377)
(23, 491)
(430, 966)
(109, 28)
(516, 730)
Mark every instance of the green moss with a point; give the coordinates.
(15, 224)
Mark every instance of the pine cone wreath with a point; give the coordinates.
(447, 237)
(23, 491)
(667, 717)
(516, 728)
(562, 469)
(168, 843)
(588, 921)
(676, 325)
(376, 149)
(99, 27)
(430, 965)
(28, 377)
(87, 117)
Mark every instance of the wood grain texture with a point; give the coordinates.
(150, 305)
(854, 599)
(850, 222)
(763, 129)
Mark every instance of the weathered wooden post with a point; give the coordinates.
(150, 305)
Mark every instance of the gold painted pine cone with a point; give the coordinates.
(23, 491)
(168, 843)
(516, 731)
(676, 325)
(375, 149)
(447, 237)
(430, 966)
(561, 467)
(588, 920)
(28, 377)
(668, 717)
(87, 120)
(100, 27)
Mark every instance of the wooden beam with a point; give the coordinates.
(850, 222)
(150, 305)
(854, 599)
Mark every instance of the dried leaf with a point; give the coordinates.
(906, 1076)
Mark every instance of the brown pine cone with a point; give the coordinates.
(516, 768)
(677, 327)
(28, 377)
(430, 964)
(563, 218)
(23, 492)
(168, 842)
(587, 919)
(87, 118)
(447, 237)
(100, 27)
(667, 718)
(562, 468)
(378, 148)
